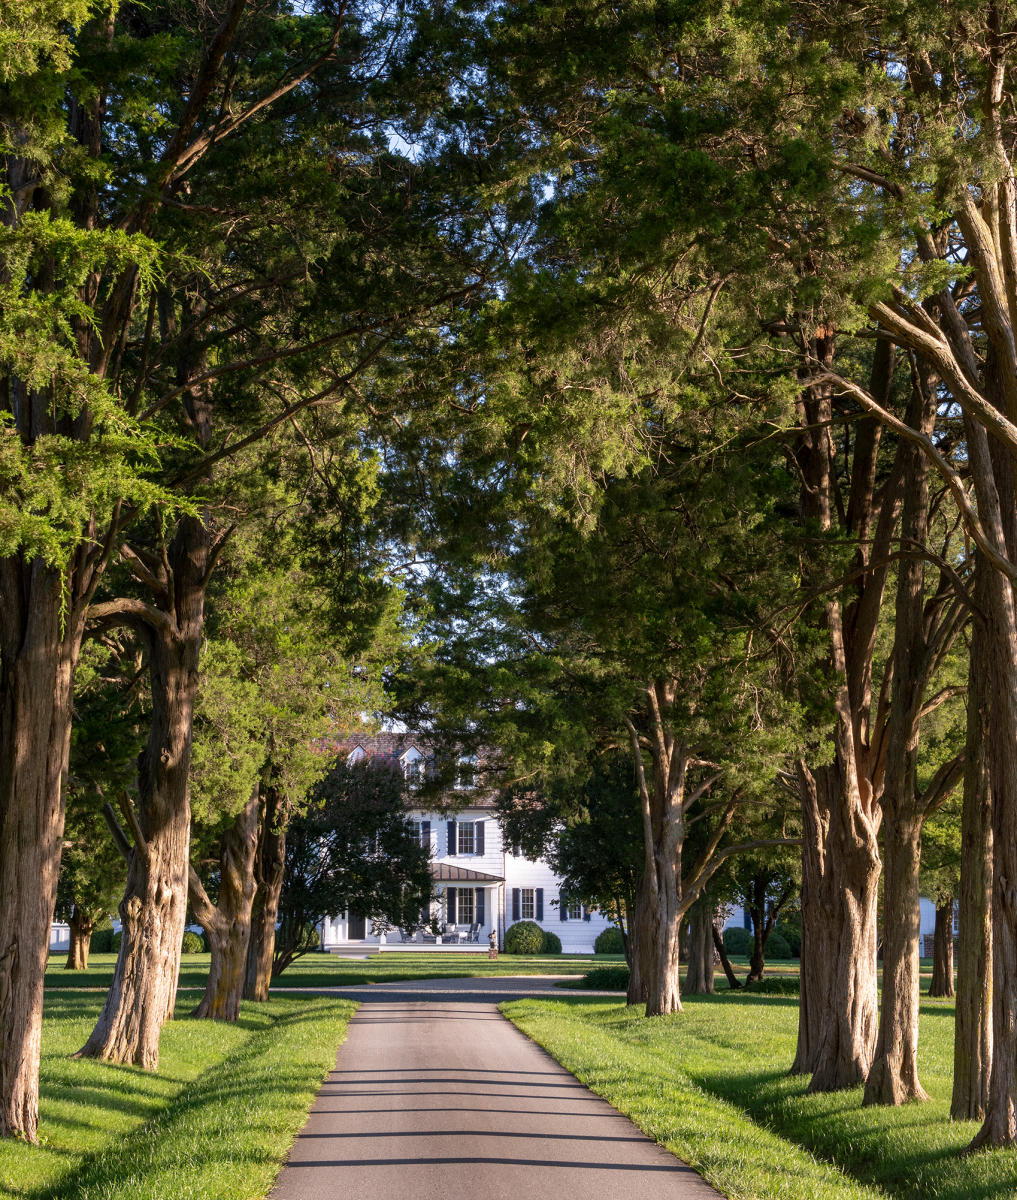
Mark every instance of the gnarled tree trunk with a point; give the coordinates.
(839, 1013)
(972, 1046)
(153, 910)
(270, 867)
(37, 661)
(81, 926)
(699, 976)
(942, 952)
(228, 922)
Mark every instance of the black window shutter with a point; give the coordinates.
(478, 910)
(515, 904)
(540, 904)
(451, 837)
(478, 838)
(563, 906)
(450, 905)
(425, 834)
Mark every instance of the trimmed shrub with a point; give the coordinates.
(115, 941)
(102, 941)
(609, 978)
(772, 985)
(738, 941)
(777, 947)
(192, 943)
(552, 943)
(609, 941)
(525, 937)
(791, 934)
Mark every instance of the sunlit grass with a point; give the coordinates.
(711, 1083)
(328, 970)
(214, 1123)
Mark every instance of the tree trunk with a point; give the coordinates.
(153, 910)
(760, 932)
(81, 925)
(37, 661)
(718, 944)
(972, 1046)
(893, 1078)
(699, 977)
(636, 992)
(839, 1012)
(270, 866)
(996, 497)
(942, 952)
(228, 924)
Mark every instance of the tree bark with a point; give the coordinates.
(718, 944)
(699, 977)
(972, 1047)
(153, 910)
(636, 992)
(942, 952)
(228, 922)
(81, 926)
(839, 1013)
(270, 867)
(760, 930)
(37, 662)
(893, 1078)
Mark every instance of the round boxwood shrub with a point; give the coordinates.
(792, 935)
(525, 937)
(609, 941)
(552, 943)
(777, 947)
(192, 943)
(737, 941)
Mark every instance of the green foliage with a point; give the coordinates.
(115, 941)
(353, 848)
(524, 937)
(777, 946)
(609, 941)
(614, 978)
(737, 941)
(193, 943)
(551, 943)
(792, 934)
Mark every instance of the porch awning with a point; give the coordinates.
(449, 873)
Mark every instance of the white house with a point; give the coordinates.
(480, 884)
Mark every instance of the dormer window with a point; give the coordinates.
(466, 774)
(358, 754)
(414, 765)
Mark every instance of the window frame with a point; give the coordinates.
(574, 910)
(527, 895)
(461, 827)
(461, 895)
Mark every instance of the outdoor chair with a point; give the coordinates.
(475, 932)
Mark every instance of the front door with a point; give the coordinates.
(357, 928)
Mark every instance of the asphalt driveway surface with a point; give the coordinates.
(435, 1094)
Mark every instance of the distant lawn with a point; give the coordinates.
(317, 970)
(215, 1123)
(711, 1084)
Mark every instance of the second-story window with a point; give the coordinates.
(467, 837)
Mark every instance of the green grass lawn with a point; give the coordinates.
(711, 1084)
(327, 970)
(214, 1123)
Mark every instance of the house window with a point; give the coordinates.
(467, 838)
(575, 910)
(526, 904)
(413, 768)
(422, 832)
(464, 904)
(466, 773)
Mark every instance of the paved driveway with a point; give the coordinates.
(435, 1094)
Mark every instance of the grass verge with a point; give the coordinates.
(711, 1084)
(215, 1123)
(329, 971)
